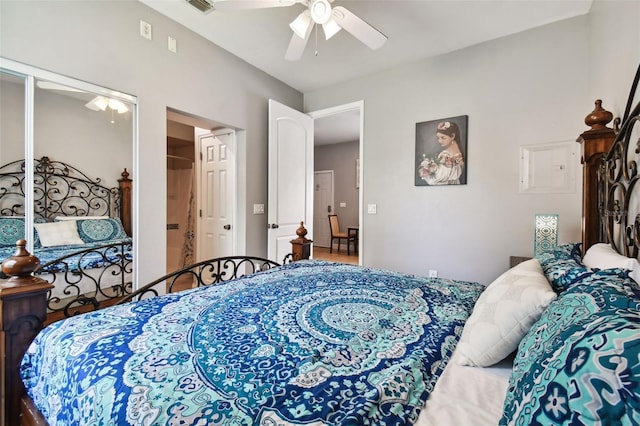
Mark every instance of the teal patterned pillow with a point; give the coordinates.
(562, 266)
(11, 230)
(580, 363)
(99, 230)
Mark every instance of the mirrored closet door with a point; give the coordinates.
(66, 149)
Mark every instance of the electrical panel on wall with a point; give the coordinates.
(548, 168)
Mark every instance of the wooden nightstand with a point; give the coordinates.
(514, 260)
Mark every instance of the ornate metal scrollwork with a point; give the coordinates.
(59, 190)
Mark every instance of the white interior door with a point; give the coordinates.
(290, 178)
(322, 207)
(217, 194)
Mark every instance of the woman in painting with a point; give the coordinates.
(446, 168)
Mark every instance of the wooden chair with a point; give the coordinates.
(336, 234)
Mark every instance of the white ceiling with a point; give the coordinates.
(415, 29)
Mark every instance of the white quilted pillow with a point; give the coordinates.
(603, 256)
(58, 233)
(503, 314)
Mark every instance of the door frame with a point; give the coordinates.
(331, 172)
(358, 105)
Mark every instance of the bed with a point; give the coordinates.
(82, 231)
(553, 340)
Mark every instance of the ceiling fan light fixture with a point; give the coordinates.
(99, 103)
(301, 25)
(118, 106)
(330, 28)
(320, 11)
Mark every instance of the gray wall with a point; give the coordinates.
(529, 88)
(341, 158)
(99, 42)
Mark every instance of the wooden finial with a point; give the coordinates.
(21, 265)
(301, 246)
(301, 232)
(125, 174)
(599, 117)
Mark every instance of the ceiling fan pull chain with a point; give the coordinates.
(316, 29)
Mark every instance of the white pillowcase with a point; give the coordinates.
(503, 314)
(603, 256)
(63, 218)
(58, 233)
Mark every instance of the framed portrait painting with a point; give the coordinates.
(441, 152)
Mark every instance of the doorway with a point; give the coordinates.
(338, 131)
(189, 200)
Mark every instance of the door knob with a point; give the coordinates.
(227, 227)
(274, 226)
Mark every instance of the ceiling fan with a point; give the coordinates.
(317, 12)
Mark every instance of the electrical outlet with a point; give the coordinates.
(433, 273)
(145, 30)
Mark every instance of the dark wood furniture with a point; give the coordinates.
(23, 308)
(301, 246)
(354, 232)
(595, 143)
(337, 234)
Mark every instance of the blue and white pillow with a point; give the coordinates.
(562, 266)
(99, 230)
(11, 230)
(580, 363)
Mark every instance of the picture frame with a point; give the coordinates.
(441, 152)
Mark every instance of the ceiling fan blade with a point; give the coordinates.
(49, 85)
(358, 28)
(251, 4)
(297, 45)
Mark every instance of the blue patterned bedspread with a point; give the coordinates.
(96, 258)
(311, 343)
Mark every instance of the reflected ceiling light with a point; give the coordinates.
(302, 24)
(100, 103)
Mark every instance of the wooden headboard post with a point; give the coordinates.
(595, 143)
(23, 309)
(125, 201)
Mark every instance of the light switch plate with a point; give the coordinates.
(372, 208)
(258, 209)
(172, 44)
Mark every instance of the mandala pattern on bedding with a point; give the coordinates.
(311, 343)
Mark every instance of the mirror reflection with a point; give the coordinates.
(80, 181)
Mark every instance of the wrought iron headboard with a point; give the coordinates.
(620, 182)
(59, 190)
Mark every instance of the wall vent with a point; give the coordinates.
(204, 6)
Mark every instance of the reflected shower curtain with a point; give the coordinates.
(180, 218)
(188, 248)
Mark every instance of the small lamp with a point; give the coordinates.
(546, 233)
